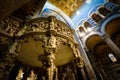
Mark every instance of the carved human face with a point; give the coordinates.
(50, 62)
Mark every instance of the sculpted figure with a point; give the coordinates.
(51, 69)
(34, 27)
(52, 41)
(20, 74)
(32, 76)
(52, 22)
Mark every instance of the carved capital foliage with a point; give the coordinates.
(79, 62)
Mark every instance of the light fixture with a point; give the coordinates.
(112, 57)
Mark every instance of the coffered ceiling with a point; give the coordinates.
(67, 6)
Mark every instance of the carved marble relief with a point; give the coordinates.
(45, 35)
(10, 25)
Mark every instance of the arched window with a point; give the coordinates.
(112, 57)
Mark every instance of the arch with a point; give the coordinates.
(79, 23)
(111, 6)
(89, 35)
(104, 24)
(51, 12)
(94, 9)
(91, 21)
(92, 40)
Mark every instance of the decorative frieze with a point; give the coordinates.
(10, 26)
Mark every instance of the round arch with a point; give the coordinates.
(104, 24)
(90, 35)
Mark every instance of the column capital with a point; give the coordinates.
(79, 62)
(111, 44)
(104, 36)
(51, 69)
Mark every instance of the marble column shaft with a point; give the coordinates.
(112, 45)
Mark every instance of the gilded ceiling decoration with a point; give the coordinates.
(67, 6)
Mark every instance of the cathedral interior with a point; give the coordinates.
(59, 39)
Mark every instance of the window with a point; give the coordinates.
(112, 57)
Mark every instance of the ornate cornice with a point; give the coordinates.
(46, 26)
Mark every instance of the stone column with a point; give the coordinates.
(7, 62)
(92, 59)
(112, 45)
(50, 49)
(80, 68)
(51, 70)
(79, 64)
